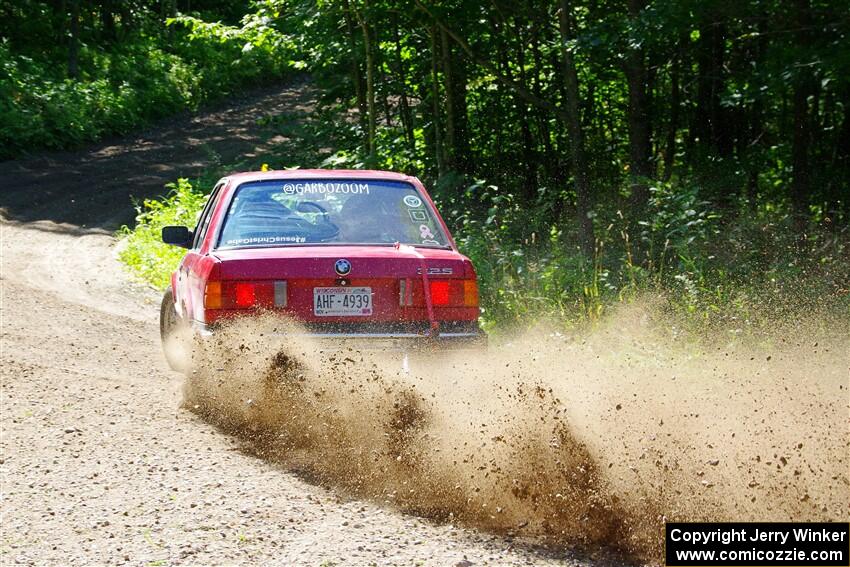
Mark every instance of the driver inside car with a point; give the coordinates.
(259, 215)
(368, 220)
(260, 204)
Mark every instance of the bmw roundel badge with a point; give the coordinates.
(342, 267)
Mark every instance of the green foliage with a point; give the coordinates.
(679, 226)
(143, 250)
(742, 138)
(711, 272)
(40, 109)
(147, 75)
(227, 58)
(712, 267)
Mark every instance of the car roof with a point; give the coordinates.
(319, 174)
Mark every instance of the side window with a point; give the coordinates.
(206, 215)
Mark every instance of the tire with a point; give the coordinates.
(175, 335)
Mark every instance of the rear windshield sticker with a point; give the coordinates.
(266, 240)
(425, 232)
(413, 201)
(325, 188)
(417, 215)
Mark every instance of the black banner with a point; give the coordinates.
(759, 544)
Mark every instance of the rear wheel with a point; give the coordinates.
(175, 335)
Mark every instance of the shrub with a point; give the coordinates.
(142, 78)
(143, 250)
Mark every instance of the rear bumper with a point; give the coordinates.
(467, 336)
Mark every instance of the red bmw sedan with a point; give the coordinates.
(352, 255)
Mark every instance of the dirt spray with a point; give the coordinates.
(586, 440)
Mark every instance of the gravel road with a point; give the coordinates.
(99, 464)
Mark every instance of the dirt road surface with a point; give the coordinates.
(99, 464)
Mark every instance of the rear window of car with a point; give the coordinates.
(333, 211)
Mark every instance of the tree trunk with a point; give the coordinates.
(529, 156)
(405, 115)
(574, 128)
(127, 22)
(497, 74)
(381, 77)
(74, 41)
(838, 190)
(799, 151)
(548, 159)
(463, 156)
(370, 86)
(450, 142)
(456, 142)
(752, 154)
(357, 79)
(638, 118)
(435, 99)
(803, 88)
(710, 125)
(500, 104)
(61, 33)
(673, 124)
(107, 20)
(169, 8)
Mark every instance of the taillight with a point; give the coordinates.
(454, 293)
(439, 293)
(212, 295)
(470, 293)
(244, 295)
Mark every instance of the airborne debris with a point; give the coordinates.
(501, 441)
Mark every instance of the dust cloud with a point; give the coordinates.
(587, 440)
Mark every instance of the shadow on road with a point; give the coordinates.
(95, 188)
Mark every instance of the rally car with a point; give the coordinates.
(358, 256)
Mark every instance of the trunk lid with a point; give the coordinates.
(392, 275)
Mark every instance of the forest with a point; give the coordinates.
(584, 152)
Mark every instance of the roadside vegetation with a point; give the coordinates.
(584, 154)
(75, 71)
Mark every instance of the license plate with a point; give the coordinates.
(342, 301)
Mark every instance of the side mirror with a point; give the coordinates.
(177, 236)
